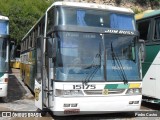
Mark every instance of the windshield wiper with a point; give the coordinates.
(117, 60)
(95, 66)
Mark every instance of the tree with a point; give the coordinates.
(23, 14)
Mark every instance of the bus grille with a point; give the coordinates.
(100, 92)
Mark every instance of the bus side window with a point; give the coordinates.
(157, 29)
(39, 59)
(144, 29)
(51, 47)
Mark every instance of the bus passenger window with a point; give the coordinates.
(80, 18)
(143, 28)
(157, 29)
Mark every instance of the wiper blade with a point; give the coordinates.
(90, 66)
(91, 75)
(95, 66)
(117, 60)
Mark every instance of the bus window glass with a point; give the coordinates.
(86, 17)
(4, 27)
(121, 21)
(121, 50)
(143, 28)
(80, 18)
(77, 57)
(157, 29)
(3, 56)
(79, 54)
(50, 20)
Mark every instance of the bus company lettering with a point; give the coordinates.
(111, 31)
(126, 32)
(120, 32)
(124, 68)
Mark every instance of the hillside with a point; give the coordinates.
(136, 5)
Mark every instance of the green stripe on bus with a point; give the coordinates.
(151, 53)
(152, 13)
(116, 86)
(123, 86)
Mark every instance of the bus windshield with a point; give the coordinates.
(122, 57)
(3, 55)
(82, 56)
(95, 18)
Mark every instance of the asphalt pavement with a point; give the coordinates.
(20, 99)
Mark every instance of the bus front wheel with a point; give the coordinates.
(4, 99)
(43, 112)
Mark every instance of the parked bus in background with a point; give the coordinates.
(148, 24)
(83, 58)
(4, 57)
(14, 55)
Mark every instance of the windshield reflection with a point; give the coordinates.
(122, 57)
(77, 55)
(80, 57)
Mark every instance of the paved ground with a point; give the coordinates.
(20, 98)
(18, 94)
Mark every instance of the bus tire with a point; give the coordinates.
(43, 112)
(5, 99)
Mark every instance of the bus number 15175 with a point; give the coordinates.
(84, 86)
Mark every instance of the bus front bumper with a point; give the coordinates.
(3, 89)
(95, 105)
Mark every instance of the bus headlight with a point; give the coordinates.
(133, 91)
(68, 92)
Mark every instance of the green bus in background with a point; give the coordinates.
(148, 24)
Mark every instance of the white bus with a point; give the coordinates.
(83, 58)
(148, 23)
(4, 57)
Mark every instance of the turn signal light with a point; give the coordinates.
(6, 79)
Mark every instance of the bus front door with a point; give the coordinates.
(38, 89)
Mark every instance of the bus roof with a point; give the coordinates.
(92, 5)
(3, 17)
(147, 14)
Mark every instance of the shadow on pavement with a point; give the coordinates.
(15, 89)
(152, 106)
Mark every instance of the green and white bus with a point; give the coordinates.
(83, 58)
(148, 24)
(4, 57)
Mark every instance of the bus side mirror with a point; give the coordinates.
(51, 47)
(142, 50)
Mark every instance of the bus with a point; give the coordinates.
(4, 57)
(148, 24)
(14, 55)
(83, 58)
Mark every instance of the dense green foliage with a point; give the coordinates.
(23, 14)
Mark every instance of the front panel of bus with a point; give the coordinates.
(96, 65)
